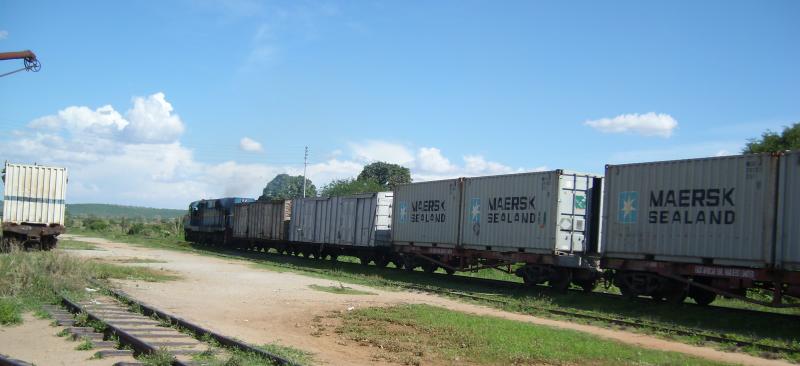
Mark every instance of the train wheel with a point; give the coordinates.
(429, 267)
(449, 271)
(398, 263)
(587, 285)
(409, 263)
(560, 280)
(365, 259)
(382, 262)
(702, 297)
(334, 257)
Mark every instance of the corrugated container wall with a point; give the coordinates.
(788, 246)
(713, 210)
(539, 212)
(263, 220)
(357, 220)
(427, 213)
(34, 194)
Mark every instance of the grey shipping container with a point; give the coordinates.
(262, 220)
(362, 220)
(427, 213)
(34, 194)
(540, 212)
(711, 211)
(788, 245)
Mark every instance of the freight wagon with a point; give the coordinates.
(700, 227)
(356, 225)
(261, 223)
(33, 206)
(211, 221)
(547, 221)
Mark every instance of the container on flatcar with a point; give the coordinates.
(262, 220)
(427, 213)
(707, 211)
(361, 220)
(539, 212)
(788, 243)
(34, 194)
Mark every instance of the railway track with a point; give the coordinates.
(119, 327)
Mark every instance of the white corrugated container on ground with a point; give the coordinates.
(427, 213)
(262, 220)
(788, 244)
(711, 211)
(357, 220)
(34, 194)
(540, 212)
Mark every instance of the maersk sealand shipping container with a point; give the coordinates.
(539, 212)
(427, 213)
(362, 220)
(788, 245)
(711, 211)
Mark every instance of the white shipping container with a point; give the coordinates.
(34, 194)
(788, 245)
(711, 211)
(540, 212)
(427, 213)
(265, 220)
(362, 220)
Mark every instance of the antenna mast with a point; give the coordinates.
(305, 167)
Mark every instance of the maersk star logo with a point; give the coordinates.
(475, 210)
(628, 207)
(403, 212)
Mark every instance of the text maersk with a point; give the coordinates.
(717, 206)
(499, 208)
(428, 211)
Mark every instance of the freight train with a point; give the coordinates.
(669, 230)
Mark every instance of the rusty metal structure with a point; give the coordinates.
(30, 62)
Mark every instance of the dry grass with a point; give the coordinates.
(29, 279)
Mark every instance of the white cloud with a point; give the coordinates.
(3, 34)
(376, 150)
(151, 120)
(112, 158)
(250, 145)
(647, 124)
(431, 159)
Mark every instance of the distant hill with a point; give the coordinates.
(108, 211)
(117, 211)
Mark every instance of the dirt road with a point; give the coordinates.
(261, 306)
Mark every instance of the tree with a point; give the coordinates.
(285, 186)
(771, 141)
(343, 187)
(385, 174)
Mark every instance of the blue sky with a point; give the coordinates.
(159, 103)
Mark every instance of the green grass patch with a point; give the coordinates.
(421, 334)
(10, 313)
(85, 345)
(76, 245)
(295, 355)
(341, 289)
(161, 357)
(30, 279)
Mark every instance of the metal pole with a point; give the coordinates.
(305, 166)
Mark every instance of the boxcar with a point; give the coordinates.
(262, 223)
(357, 225)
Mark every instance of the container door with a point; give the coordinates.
(573, 210)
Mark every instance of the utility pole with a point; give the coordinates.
(305, 166)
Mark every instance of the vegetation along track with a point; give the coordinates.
(142, 330)
(519, 287)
